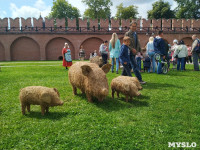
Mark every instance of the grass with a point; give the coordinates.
(167, 111)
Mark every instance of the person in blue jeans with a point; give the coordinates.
(134, 47)
(151, 53)
(182, 53)
(159, 47)
(124, 57)
(139, 60)
(114, 48)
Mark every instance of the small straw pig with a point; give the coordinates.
(97, 60)
(90, 79)
(124, 86)
(39, 95)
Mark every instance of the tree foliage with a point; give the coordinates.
(161, 9)
(62, 9)
(188, 9)
(98, 9)
(129, 12)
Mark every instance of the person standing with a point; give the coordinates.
(160, 48)
(182, 53)
(82, 53)
(66, 52)
(189, 59)
(151, 53)
(195, 55)
(103, 51)
(134, 47)
(114, 48)
(124, 57)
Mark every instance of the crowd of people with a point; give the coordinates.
(130, 55)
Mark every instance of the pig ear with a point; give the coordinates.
(56, 91)
(86, 70)
(106, 68)
(45, 97)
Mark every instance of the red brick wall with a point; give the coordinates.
(71, 22)
(4, 22)
(26, 22)
(38, 22)
(93, 23)
(114, 25)
(82, 23)
(49, 22)
(104, 23)
(195, 23)
(156, 23)
(166, 24)
(25, 48)
(186, 23)
(2, 52)
(91, 44)
(55, 46)
(60, 22)
(14, 22)
(125, 23)
(176, 23)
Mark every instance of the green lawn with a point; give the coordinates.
(167, 111)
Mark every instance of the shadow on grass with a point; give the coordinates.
(50, 115)
(117, 104)
(150, 85)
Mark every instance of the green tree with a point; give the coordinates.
(129, 12)
(188, 9)
(62, 9)
(161, 9)
(97, 9)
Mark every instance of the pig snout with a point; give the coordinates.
(104, 92)
(61, 103)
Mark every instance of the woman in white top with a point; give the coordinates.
(182, 52)
(151, 53)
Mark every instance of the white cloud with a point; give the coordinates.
(28, 11)
(2, 14)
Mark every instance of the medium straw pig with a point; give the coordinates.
(90, 79)
(39, 95)
(97, 60)
(131, 80)
(124, 86)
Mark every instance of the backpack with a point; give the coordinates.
(197, 47)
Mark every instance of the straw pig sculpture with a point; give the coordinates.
(39, 95)
(132, 80)
(90, 79)
(124, 86)
(97, 60)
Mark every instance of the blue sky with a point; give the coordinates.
(33, 8)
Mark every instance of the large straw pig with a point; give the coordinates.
(90, 79)
(39, 95)
(124, 86)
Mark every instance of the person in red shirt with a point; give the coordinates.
(189, 59)
(66, 53)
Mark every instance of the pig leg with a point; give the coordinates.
(127, 98)
(117, 94)
(28, 107)
(42, 110)
(74, 90)
(89, 97)
(47, 109)
(23, 108)
(113, 93)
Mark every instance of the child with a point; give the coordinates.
(124, 57)
(138, 60)
(147, 64)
